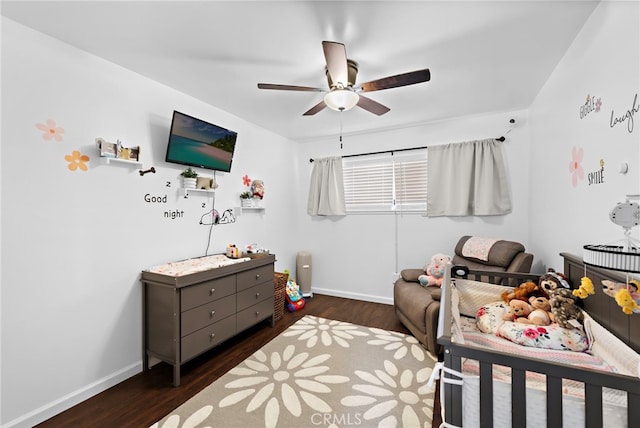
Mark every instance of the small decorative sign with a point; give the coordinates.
(596, 177)
(591, 105)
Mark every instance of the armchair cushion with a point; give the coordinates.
(411, 275)
(500, 255)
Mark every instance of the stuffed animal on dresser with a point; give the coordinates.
(434, 271)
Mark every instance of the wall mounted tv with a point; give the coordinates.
(194, 142)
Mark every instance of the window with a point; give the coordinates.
(387, 183)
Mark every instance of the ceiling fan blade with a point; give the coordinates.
(372, 106)
(398, 80)
(288, 87)
(315, 109)
(335, 55)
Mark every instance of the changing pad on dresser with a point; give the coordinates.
(199, 264)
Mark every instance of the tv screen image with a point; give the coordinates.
(194, 142)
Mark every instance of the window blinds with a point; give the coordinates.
(386, 183)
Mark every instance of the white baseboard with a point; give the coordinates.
(355, 296)
(66, 402)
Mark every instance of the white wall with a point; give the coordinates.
(358, 256)
(74, 243)
(603, 62)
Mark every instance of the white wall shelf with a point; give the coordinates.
(250, 209)
(122, 161)
(186, 191)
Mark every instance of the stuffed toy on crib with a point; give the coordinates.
(293, 296)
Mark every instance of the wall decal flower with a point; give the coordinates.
(50, 130)
(77, 160)
(575, 166)
(598, 104)
(246, 180)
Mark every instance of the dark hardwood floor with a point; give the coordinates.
(145, 398)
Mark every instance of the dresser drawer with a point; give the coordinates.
(208, 291)
(208, 337)
(255, 314)
(253, 295)
(254, 277)
(209, 313)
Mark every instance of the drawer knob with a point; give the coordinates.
(257, 276)
(213, 290)
(213, 312)
(257, 295)
(257, 313)
(213, 335)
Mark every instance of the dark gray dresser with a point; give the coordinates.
(189, 314)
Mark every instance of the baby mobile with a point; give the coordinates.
(622, 256)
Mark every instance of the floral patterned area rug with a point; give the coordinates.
(319, 373)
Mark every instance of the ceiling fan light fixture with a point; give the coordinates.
(341, 99)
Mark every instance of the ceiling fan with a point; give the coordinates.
(341, 74)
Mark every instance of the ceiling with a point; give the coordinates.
(484, 56)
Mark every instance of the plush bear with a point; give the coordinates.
(521, 292)
(586, 288)
(564, 309)
(553, 280)
(434, 271)
(541, 312)
(625, 301)
(517, 309)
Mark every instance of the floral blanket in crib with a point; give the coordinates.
(472, 336)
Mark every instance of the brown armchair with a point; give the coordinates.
(417, 307)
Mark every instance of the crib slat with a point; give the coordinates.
(554, 401)
(518, 398)
(593, 406)
(633, 409)
(453, 409)
(486, 394)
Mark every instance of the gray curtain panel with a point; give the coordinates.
(326, 190)
(467, 179)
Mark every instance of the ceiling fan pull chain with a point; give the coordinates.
(341, 129)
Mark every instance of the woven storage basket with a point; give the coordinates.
(279, 284)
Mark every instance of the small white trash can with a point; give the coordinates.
(303, 272)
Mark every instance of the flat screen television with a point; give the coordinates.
(194, 142)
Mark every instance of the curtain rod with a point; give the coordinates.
(393, 151)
